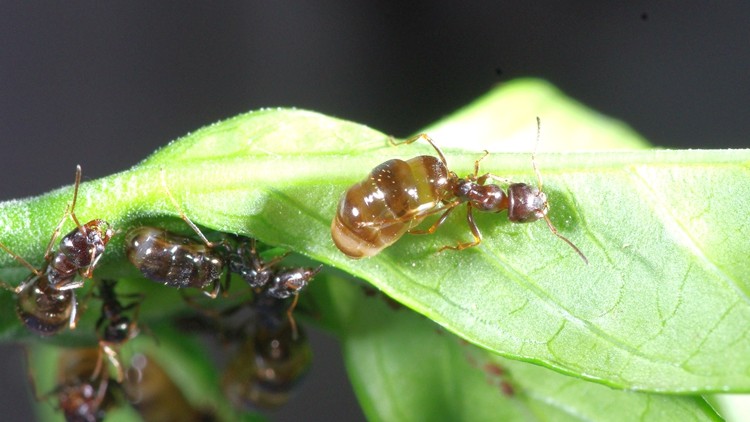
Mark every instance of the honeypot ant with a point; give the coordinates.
(398, 195)
(45, 299)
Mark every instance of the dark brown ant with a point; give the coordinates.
(174, 260)
(156, 396)
(83, 392)
(398, 195)
(113, 326)
(265, 278)
(45, 299)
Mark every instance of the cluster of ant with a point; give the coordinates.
(395, 197)
(274, 354)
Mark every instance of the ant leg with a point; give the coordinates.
(20, 260)
(215, 288)
(69, 285)
(483, 178)
(474, 231)
(258, 263)
(99, 363)
(113, 359)
(408, 217)
(193, 303)
(434, 225)
(182, 213)
(292, 322)
(101, 393)
(416, 138)
(8, 287)
(24, 284)
(73, 322)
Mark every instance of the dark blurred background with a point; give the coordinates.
(104, 84)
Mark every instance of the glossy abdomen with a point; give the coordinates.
(44, 309)
(397, 195)
(171, 259)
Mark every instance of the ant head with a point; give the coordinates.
(526, 203)
(118, 330)
(100, 229)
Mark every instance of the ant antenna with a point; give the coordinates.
(182, 214)
(552, 228)
(533, 154)
(292, 322)
(575, 248)
(75, 198)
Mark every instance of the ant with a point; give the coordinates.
(115, 328)
(45, 299)
(83, 393)
(267, 280)
(398, 195)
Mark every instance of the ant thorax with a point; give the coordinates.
(489, 198)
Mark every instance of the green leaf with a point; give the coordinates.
(663, 305)
(404, 367)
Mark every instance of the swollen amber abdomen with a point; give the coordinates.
(396, 195)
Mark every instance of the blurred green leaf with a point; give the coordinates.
(404, 367)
